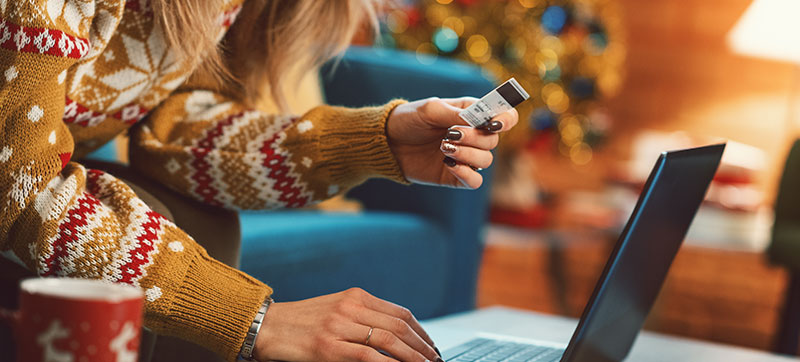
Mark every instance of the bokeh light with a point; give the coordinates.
(397, 21)
(478, 48)
(566, 52)
(542, 119)
(580, 154)
(550, 75)
(553, 43)
(455, 23)
(571, 131)
(546, 59)
(445, 39)
(436, 14)
(557, 101)
(426, 53)
(554, 19)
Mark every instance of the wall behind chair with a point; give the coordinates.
(682, 76)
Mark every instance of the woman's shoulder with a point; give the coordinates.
(73, 17)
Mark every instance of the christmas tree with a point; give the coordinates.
(566, 53)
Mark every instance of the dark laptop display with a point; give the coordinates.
(633, 274)
(644, 252)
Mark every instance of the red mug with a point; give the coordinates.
(76, 320)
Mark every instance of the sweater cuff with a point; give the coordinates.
(216, 306)
(354, 140)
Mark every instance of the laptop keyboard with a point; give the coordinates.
(490, 350)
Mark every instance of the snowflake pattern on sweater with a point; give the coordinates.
(75, 74)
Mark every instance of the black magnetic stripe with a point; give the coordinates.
(510, 94)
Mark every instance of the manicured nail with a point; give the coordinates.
(449, 162)
(453, 135)
(494, 126)
(437, 351)
(439, 359)
(448, 148)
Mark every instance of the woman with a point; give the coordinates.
(180, 79)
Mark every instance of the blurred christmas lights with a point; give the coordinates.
(567, 51)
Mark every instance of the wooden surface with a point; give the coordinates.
(448, 332)
(716, 295)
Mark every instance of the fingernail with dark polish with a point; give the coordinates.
(437, 351)
(494, 126)
(449, 162)
(439, 359)
(448, 148)
(453, 135)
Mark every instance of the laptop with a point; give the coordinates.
(633, 274)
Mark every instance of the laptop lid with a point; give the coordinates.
(642, 256)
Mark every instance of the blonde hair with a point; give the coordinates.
(267, 39)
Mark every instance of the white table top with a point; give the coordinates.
(453, 330)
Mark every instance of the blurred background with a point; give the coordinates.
(614, 83)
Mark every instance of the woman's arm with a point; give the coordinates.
(212, 148)
(58, 218)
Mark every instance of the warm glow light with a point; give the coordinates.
(477, 46)
(768, 29)
(454, 23)
(397, 21)
(580, 154)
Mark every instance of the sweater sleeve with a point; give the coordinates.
(210, 147)
(59, 219)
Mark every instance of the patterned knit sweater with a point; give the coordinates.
(76, 73)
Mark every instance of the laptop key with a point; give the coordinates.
(485, 350)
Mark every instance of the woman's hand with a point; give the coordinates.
(422, 133)
(335, 327)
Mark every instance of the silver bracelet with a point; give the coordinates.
(250, 341)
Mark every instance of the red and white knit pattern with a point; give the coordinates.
(140, 237)
(66, 250)
(283, 181)
(75, 113)
(41, 41)
(88, 240)
(268, 165)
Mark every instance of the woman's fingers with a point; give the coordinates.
(465, 176)
(468, 136)
(383, 340)
(462, 102)
(509, 119)
(471, 156)
(394, 310)
(356, 352)
(399, 328)
(390, 343)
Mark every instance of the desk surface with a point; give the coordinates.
(649, 347)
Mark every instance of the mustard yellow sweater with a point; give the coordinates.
(76, 73)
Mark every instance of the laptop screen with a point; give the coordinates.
(642, 256)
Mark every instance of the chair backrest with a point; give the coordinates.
(784, 248)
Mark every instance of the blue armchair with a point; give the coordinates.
(418, 246)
